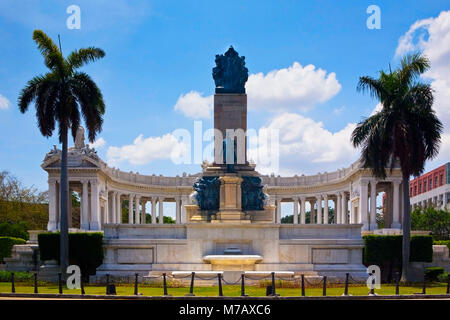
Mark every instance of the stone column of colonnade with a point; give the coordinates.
(137, 208)
(319, 212)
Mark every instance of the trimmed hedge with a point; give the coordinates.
(15, 230)
(432, 273)
(85, 249)
(386, 252)
(379, 249)
(6, 244)
(5, 276)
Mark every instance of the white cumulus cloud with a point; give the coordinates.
(305, 146)
(296, 88)
(145, 150)
(100, 142)
(194, 105)
(4, 103)
(293, 88)
(432, 37)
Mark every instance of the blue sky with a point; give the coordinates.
(157, 52)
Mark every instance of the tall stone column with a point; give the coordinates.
(161, 208)
(337, 209)
(312, 214)
(118, 208)
(363, 189)
(319, 209)
(52, 206)
(130, 209)
(137, 212)
(184, 200)
(344, 208)
(325, 209)
(278, 211)
(113, 213)
(295, 210)
(106, 218)
(373, 205)
(153, 210)
(144, 212)
(178, 209)
(95, 207)
(396, 205)
(84, 218)
(302, 210)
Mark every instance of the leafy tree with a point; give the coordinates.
(435, 220)
(61, 95)
(406, 131)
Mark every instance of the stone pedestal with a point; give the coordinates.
(230, 200)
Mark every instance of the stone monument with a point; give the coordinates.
(230, 189)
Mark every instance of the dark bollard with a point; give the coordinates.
(110, 288)
(82, 285)
(424, 287)
(60, 283)
(165, 284)
(273, 284)
(372, 288)
(13, 288)
(135, 284)
(35, 283)
(448, 283)
(346, 284)
(191, 289)
(219, 276)
(397, 284)
(269, 291)
(303, 285)
(324, 290)
(243, 285)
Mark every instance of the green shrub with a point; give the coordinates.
(443, 277)
(85, 249)
(432, 273)
(386, 252)
(6, 244)
(15, 230)
(5, 276)
(421, 249)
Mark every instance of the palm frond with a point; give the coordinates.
(81, 57)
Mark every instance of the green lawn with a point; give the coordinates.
(231, 290)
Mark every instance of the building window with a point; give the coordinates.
(442, 180)
(431, 184)
(435, 182)
(425, 186)
(415, 190)
(420, 187)
(410, 191)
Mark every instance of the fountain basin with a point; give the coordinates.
(240, 262)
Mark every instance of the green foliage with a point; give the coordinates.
(6, 244)
(421, 248)
(379, 249)
(443, 277)
(435, 220)
(5, 276)
(288, 219)
(432, 273)
(16, 230)
(85, 249)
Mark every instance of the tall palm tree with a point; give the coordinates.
(406, 131)
(59, 95)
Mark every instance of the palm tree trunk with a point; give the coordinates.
(406, 226)
(64, 240)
